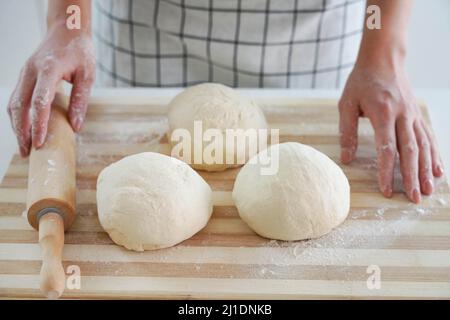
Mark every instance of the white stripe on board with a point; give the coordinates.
(317, 129)
(349, 228)
(211, 287)
(354, 174)
(280, 256)
(122, 149)
(224, 198)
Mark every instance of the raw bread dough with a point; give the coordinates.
(307, 197)
(217, 107)
(149, 201)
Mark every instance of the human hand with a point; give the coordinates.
(382, 93)
(63, 54)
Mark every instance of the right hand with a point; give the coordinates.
(63, 54)
(382, 93)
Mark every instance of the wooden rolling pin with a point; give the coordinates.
(51, 197)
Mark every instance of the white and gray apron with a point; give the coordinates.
(240, 43)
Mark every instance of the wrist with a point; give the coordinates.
(58, 16)
(390, 54)
(59, 26)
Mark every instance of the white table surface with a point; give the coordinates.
(437, 100)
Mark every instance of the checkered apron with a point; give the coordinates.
(240, 43)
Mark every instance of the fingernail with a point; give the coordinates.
(415, 196)
(429, 186)
(385, 189)
(440, 170)
(40, 141)
(78, 122)
(387, 192)
(346, 155)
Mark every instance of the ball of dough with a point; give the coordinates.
(307, 197)
(149, 201)
(217, 107)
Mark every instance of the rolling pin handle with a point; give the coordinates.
(51, 239)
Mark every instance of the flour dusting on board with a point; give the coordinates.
(371, 228)
(93, 144)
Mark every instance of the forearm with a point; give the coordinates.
(387, 44)
(57, 15)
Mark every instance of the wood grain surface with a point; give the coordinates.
(409, 243)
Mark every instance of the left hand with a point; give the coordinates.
(382, 93)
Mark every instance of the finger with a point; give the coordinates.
(43, 96)
(409, 158)
(18, 109)
(437, 167)
(79, 98)
(425, 163)
(348, 128)
(385, 141)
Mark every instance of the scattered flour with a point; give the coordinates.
(120, 135)
(364, 228)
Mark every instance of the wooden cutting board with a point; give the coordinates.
(408, 244)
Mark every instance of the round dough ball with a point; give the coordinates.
(307, 197)
(149, 201)
(217, 107)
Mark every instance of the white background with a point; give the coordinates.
(428, 63)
